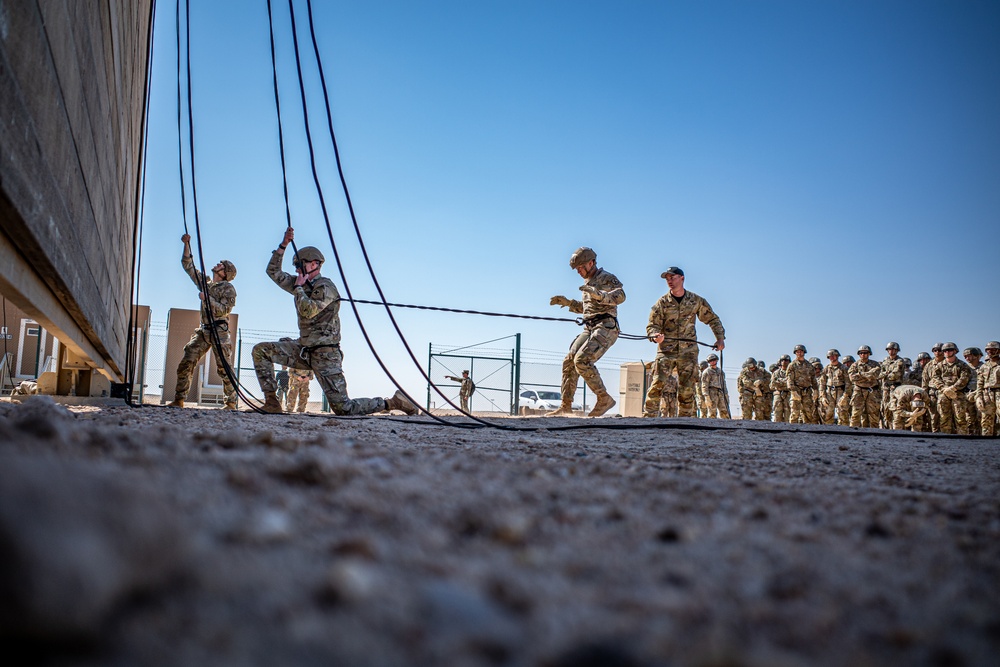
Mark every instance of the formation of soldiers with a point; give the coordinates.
(940, 394)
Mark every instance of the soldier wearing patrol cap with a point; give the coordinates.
(218, 300)
(672, 327)
(779, 385)
(865, 398)
(951, 378)
(988, 389)
(602, 294)
(317, 304)
(465, 391)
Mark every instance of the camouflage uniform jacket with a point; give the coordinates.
(712, 378)
(914, 377)
(865, 374)
(973, 378)
(954, 375)
(835, 375)
(605, 303)
(988, 375)
(221, 295)
(317, 304)
(751, 379)
(892, 371)
(675, 319)
(927, 375)
(902, 398)
(801, 375)
(779, 380)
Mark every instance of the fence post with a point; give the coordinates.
(516, 380)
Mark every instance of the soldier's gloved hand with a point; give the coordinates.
(559, 301)
(757, 392)
(950, 392)
(913, 419)
(590, 289)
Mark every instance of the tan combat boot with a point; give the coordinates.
(604, 403)
(271, 403)
(399, 401)
(176, 403)
(229, 406)
(564, 410)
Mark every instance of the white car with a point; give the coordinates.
(543, 400)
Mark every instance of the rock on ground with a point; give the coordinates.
(202, 537)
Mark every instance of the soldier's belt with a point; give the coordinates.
(312, 348)
(594, 319)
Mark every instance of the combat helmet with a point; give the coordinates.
(814, 360)
(703, 364)
(581, 256)
(937, 347)
(832, 351)
(797, 348)
(864, 348)
(228, 269)
(972, 351)
(773, 367)
(907, 362)
(949, 346)
(308, 254)
(923, 355)
(892, 345)
(749, 362)
(712, 357)
(993, 345)
(849, 359)
(784, 357)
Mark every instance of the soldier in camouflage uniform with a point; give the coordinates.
(951, 377)
(802, 385)
(915, 375)
(221, 299)
(766, 389)
(602, 294)
(988, 389)
(298, 389)
(699, 395)
(713, 388)
(672, 327)
(908, 376)
(834, 384)
(865, 398)
(930, 391)
(751, 387)
(465, 391)
(779, 384)
(973, 356)
(892, 372)
(317, 304)
(819, 404)
(907, 408)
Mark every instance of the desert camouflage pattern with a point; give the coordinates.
(988, 391)
(802, 386)
(298, 389)
(597, 336)
(932, 395)
(713, 387)
(668, 400)
(866, 398)
(751, 387)
(972, 402)
(781, 404)
(221, 295)
(892, 372)
(835, 383)
(464, 391)
(952, 378)
(768, 394)
(903, 411)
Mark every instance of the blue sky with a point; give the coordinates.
(825, 173)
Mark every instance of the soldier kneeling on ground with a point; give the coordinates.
(908, 408)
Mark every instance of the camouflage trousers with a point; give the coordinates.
(865, 403)
(932, 411)
(719, 408)
(972, 415)
(326, 362)
(200, 343)
(298, 391)
(802, 404)
(768, 406)
(668, 404)
(782, 406)
(581, 361)
(953, 413)
(835, 407)
(989, 407)
(899, 418)
(687, 376)
(753, 406)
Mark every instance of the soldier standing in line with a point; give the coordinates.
(699, 395)
(865, 402)
(317, 304)
(892, 373)
(802, 386)
(750, 384)
(915, 375)
(602, 294)
(834, 383)
(930, 391)
(668, 400)
(713, 388)
(672, 327)
(765, 387)
(908, 376)
(779, 384)
(951, 377)
(298, 389)
(220, 300)
(973, 357)
(465, 391)
(819, 402)
(907, 407)
(988, 388)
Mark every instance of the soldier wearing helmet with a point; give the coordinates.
(973, 405)
(699, 395)
(317, 303)
(988, 383)
(602, 294)
(779, 385)
(750, 384)
(672, 327)
(930, 391)
(713, 387)
(908, 408)
(802, 387)
(218, 298)
(865, 398)
(834, 384)
(951, 378)
(892, 371)
(766, 388)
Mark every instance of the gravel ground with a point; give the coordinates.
(199, 537)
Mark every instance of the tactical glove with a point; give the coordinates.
(758, 392)
(559, 301)
(950, 393)
(913, 419)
